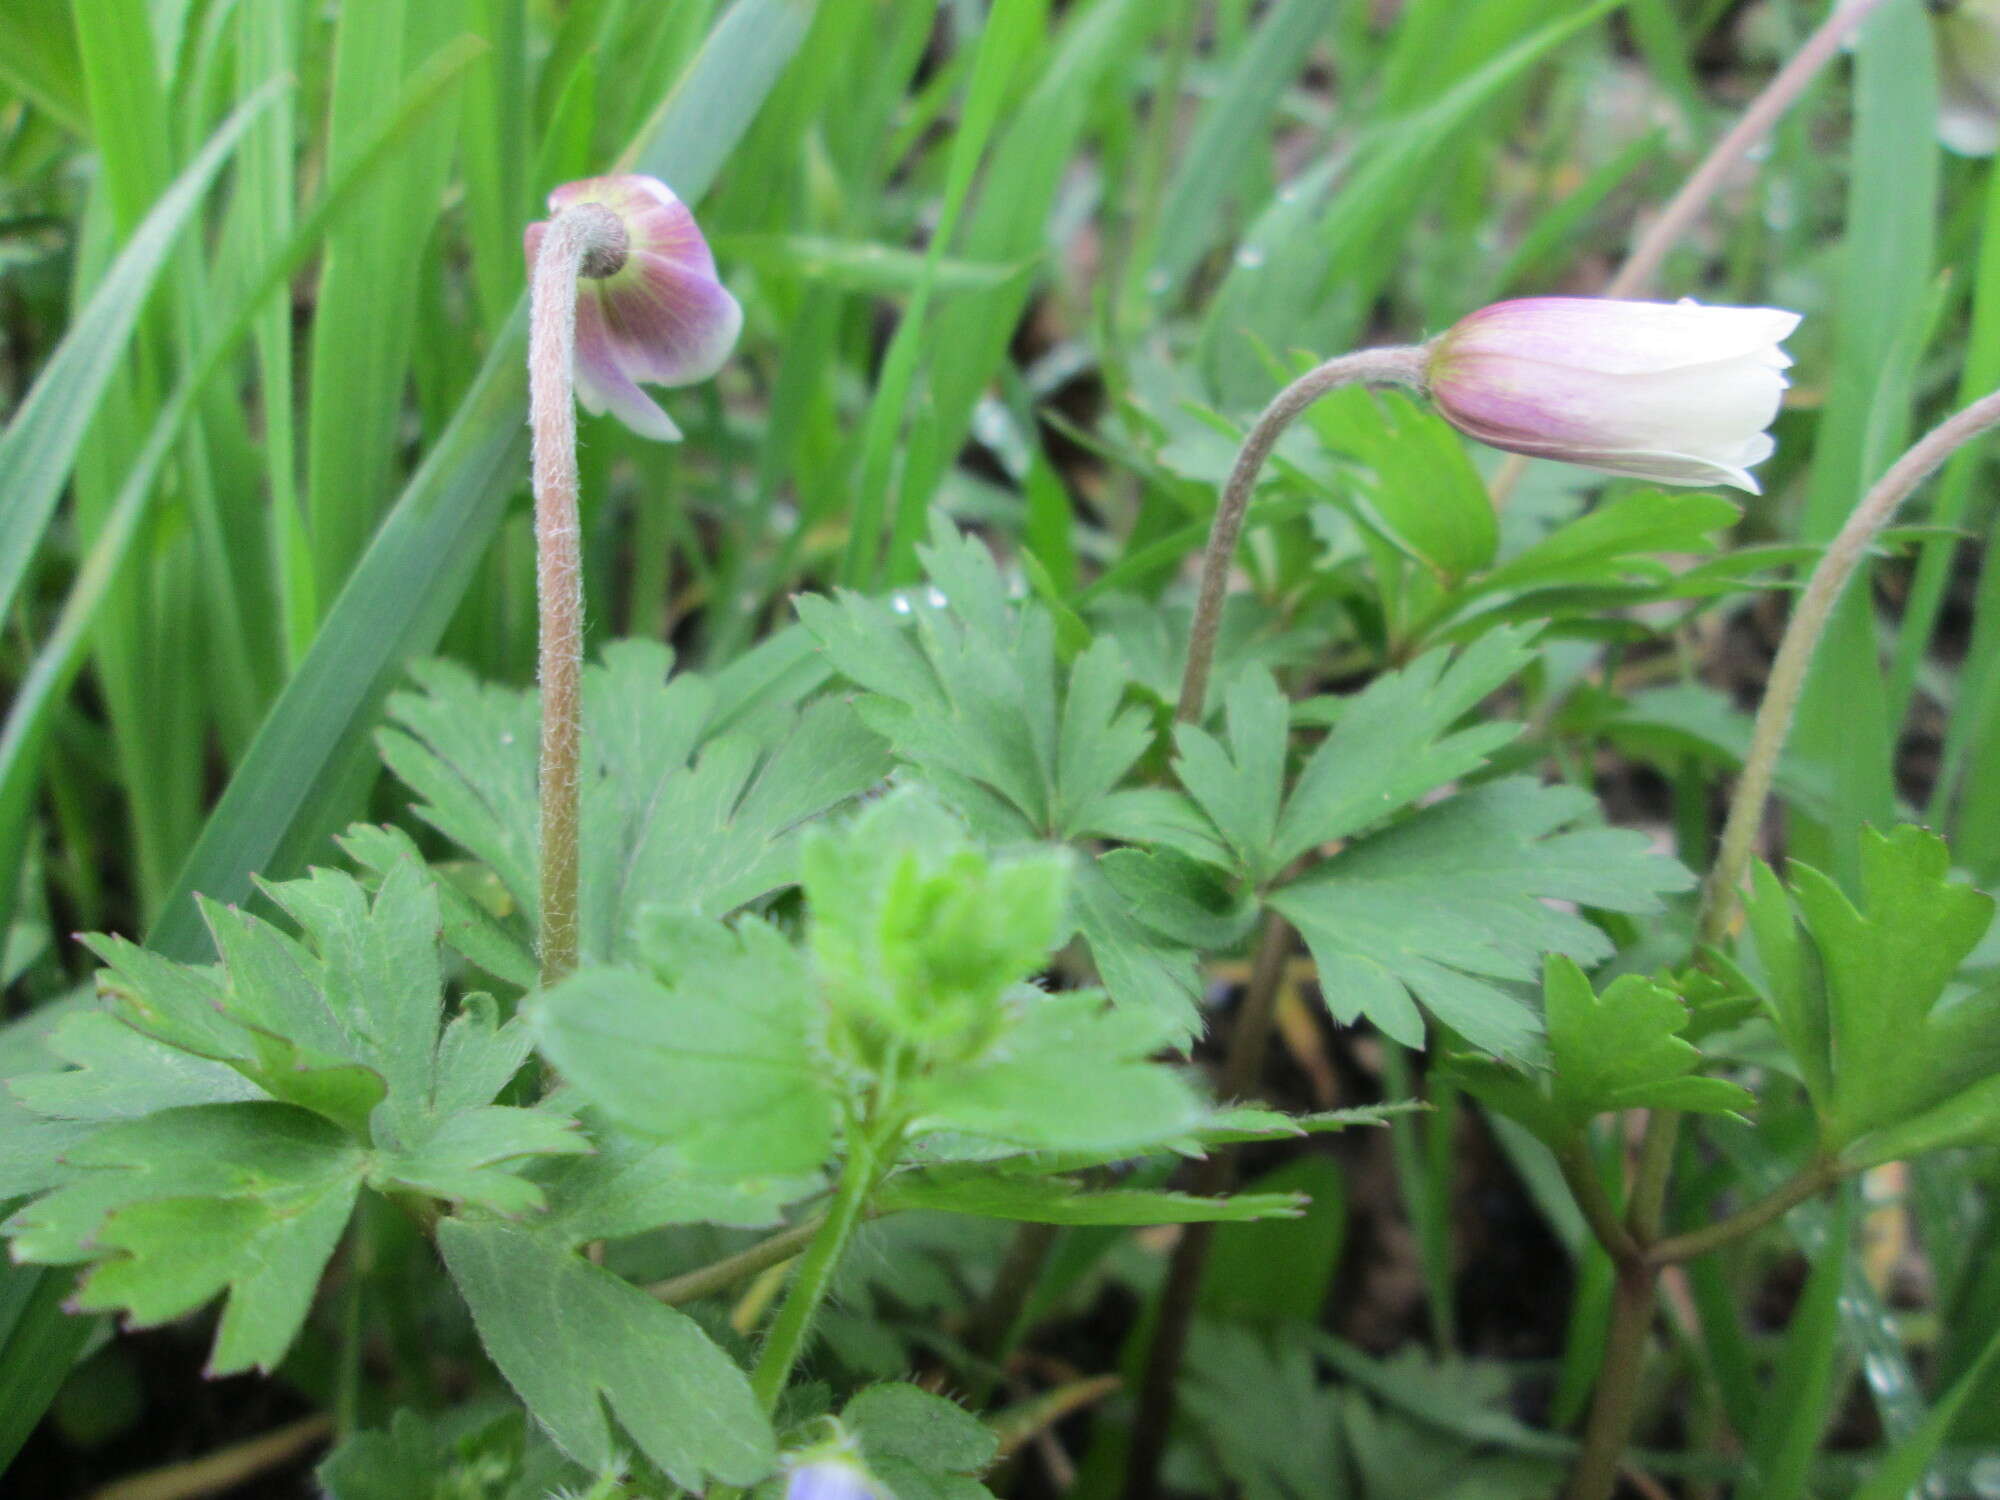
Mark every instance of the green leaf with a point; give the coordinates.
(630, 1185)
(973, 700)
(120, 1074)
(967, 688)
(188, 1203)
(1415, 482)
(1242, 788)
(1864, 996)
(1622, 1050)
(718, 1056)
(473, 928)
(918, 933)
(1451, 905)
(919, 1444)
(1391, 745)
(1621, 539)
(572, 1338)
(1058, 1200)
(1144, 970)
(1071, 1074)
(660, 825)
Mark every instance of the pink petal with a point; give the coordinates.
(670, 324)
(602, 383)
(1622, 338)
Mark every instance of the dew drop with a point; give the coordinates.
(1250, 257)
(900, 603)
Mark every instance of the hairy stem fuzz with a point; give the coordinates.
(586, 239)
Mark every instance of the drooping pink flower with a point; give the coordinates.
(661, 318)
(1673, 392)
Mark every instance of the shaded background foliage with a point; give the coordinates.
(1038, 308)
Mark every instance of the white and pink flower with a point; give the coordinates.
(1673, 392)
(661, 318)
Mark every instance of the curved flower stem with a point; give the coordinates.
(1801, 639)
(587, 236)
(1642, 264)
(1398, 366)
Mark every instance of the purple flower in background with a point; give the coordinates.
(831, 1476)
(1673, 392)
(660, 317)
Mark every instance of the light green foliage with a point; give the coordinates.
(917, 935)
(245, 1104)
(984, 1193)
(964, 685)
(1450, 905)
(1392, 744)
(1896, 1055)
(721, 1051)
(573, 1339)
(968, 689)
(474, 1453)
(746, 1054)
(677, 809)
(922, 1446)
(1624, 1049)
(181, 1205)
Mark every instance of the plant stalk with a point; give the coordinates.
(1395, 366)
(706, 1281)
(586, 239)
(1248, 1042)
(1801, 639)
(1813, 1180)
(816, 1269)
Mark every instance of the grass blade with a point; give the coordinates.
(41, 443)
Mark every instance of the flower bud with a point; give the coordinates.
(657, 314)
(1967, 33)
(1676, 393)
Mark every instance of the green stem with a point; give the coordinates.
(1587, 1188)
(1248, 1042)
(816, 1269)
(1811, 1181)
(1616, 1405)
(723, 1274)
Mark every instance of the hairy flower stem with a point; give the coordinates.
(816, 1269)
(585, 240)
(1399, 366)
(1801, 639)
(1248, 1042)
(1635, 276)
